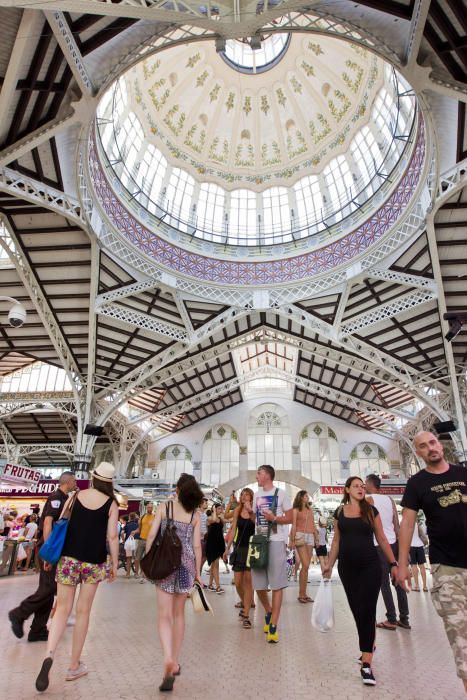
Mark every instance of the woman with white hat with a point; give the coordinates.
(93, 523)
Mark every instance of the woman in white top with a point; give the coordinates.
(29, 542)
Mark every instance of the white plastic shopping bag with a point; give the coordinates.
(130, 546)
(322, 617)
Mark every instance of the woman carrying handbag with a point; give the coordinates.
(83, 560)
(172, 591)
(243, 527)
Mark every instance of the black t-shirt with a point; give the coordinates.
(356, 546)
(53, 508)
(443, 499)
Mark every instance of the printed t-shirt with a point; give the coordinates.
(262, 500)
(443, 499)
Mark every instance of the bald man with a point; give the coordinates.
(440, 490)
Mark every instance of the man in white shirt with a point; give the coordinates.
(274, 576)
(390, 520)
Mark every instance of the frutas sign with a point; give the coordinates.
(17, 474)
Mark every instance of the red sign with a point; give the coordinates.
(17, 474)
(384, 490)
(43, 488)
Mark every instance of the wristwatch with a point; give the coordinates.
(392, 563)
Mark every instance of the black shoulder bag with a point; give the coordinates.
(165, 554)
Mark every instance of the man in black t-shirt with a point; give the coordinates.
(440, 490)
(40, 603)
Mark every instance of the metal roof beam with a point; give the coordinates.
(385, 311)
(417, 25)
(36, 192)
(10, 243)
(67, 43)
(143, 321)
(37, 137)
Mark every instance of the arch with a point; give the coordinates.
(367, 458)
(173, 461)
(221, 455)
(319, 453)
(269, 438)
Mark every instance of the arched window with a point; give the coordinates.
(221, 455)
(319, 453)
(173, 461)
(368, 458)
(269, 440)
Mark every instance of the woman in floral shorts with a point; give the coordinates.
(93, 522)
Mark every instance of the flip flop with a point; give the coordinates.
(167, 684)
(386, 626)
(302, 600)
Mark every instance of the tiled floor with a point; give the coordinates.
(222, 660)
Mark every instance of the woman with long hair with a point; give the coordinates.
(302, 537)
(355, 523)
(215, 546)
(93, 524)
(243, 527)
(172, 591)
(321, 545)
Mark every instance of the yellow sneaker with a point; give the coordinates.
(267, 619)
(273, 635)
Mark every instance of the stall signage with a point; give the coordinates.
(43, 488)
(17, 474)
(384, 490)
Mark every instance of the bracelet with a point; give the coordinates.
(392, 563)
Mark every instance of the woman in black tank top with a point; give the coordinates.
(93, 524)
(355, 523)
(243, 527)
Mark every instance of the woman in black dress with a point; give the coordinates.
(355, 523)
(243, 527)
(215, 546)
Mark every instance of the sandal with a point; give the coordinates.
(425, 590)
(309, 600)
(219, 590)
(246, 624)
(241, 614)
(177, 673)
(386, 626)
(211, 588)
(415, 589)
(167, 684)
(302, 600)
(239, 604)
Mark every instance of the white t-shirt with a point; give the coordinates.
(383, 505)
(416, 540)
(262, 500)
(30, 530)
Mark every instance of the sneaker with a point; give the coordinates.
(273, 636)
(367, 675)
(16, 624)
(76, 673)
(267, 620)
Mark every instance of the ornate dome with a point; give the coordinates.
(299, 150)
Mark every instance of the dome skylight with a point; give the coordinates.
(238, 162)
(242, 56)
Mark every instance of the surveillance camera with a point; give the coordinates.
(17, 315)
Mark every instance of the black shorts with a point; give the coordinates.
(417, 555)
(322, 551)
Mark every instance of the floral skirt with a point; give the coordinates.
(71, 571)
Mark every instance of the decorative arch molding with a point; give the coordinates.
(221, 455)
(320, 453)
(367, 457)
(174, 460)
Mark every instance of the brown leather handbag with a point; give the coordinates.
(165, 554)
